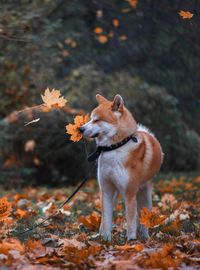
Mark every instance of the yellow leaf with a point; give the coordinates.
(52, 99)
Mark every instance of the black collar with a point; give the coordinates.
(100, 149)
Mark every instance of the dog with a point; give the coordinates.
(129, 156)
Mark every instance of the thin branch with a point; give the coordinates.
(14, 38)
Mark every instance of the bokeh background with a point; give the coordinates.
(143, 50)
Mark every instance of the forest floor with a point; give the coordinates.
(70, 239)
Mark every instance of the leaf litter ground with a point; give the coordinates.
(70, 240)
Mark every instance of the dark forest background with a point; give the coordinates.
(147, 53)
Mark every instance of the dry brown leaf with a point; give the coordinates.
(35, 249)
(71, 243)
(11, 244)
(165, 259)
(151, 218)
(136, 247)
(21, 213)
(92, 221)
(5, 208)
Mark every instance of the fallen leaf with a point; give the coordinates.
(151, 218)
(78, 253)
(71, 243)
(168, 201)
(11, 244)
(21, 213)
(35, 249)
(165, 258)
(5, 208)
(136, 247)
(91, 221)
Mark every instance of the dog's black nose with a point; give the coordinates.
(81, 129)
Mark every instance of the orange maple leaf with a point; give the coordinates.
(11, 244)
(136, 247)
(73, 129)
(78, 256)
(5, 208)
(21, 213)
(92, 221)
(151, 218)
(165, 258)
(34, 248)
(186, 15)
(52, 99)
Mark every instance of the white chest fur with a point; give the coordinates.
(111, 166)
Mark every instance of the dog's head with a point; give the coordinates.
(110, 119)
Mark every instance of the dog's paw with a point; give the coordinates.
(131, 235)
(143, 233)
(105, 235)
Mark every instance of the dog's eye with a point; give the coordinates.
(96, 120)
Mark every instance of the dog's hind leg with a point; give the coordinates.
(144, 199)
(131, 214)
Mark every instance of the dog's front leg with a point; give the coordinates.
(107, 195)
(131, 215)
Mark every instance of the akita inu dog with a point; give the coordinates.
(129, 156)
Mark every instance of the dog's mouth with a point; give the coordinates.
(95, 135)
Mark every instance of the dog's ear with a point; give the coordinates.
(118, 103)
(100, 99)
